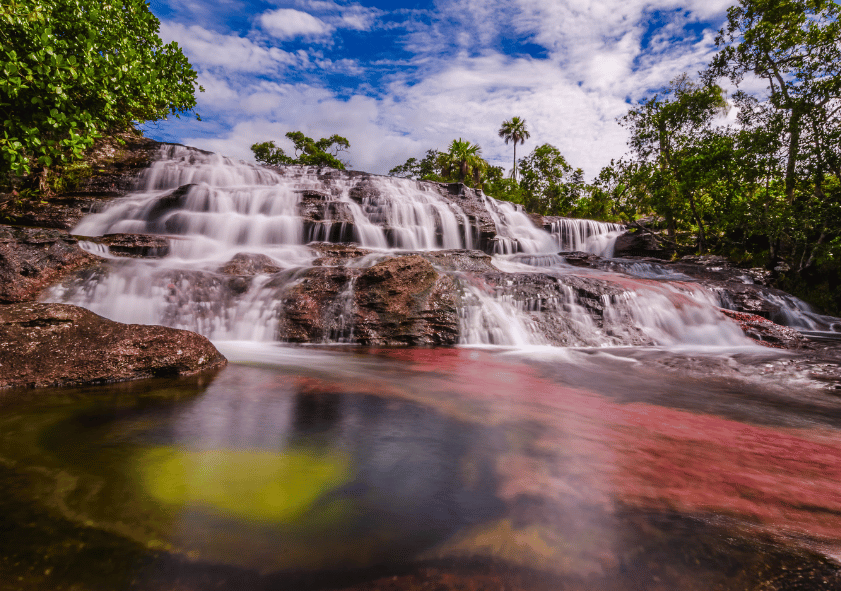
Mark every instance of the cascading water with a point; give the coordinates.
(585, 235)
(214, 210)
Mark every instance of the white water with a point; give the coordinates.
(213, 208)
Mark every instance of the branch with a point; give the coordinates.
(656, 236)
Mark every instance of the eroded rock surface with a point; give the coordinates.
(31, 259)
(136, 245)
(61, 345)
(766, 332)
(399, 301)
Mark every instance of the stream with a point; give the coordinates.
(590, 428)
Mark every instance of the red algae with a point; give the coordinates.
(781, 479)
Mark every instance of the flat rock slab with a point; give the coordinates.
(44, 345)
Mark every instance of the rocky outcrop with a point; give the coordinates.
(766, 332)
(61, 345)
(135, 245)
(404, 300)
(399, 301)
(32, 259)
(325, 218)
(111, 170)
(249, 264)
(638, 243)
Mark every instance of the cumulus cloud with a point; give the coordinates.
(231, 53)
(456, 75)
(288, 23)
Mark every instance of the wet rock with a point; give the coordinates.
(399, 301)
(404, 300)
(316, 306)
(166, 204)
(363, 191)
(581, 259)
(45, 345)
(243, 267)
(135, 245)
(470, 202)
(460, 260)
(638, 243)
(324, 218)
(116, 163)
(249, 264)
(332, 255)
(766, 332)
(32, 259)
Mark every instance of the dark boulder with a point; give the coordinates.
(636, 242)
(135, 245)
(399, 301)
(32, 259)
(45, 345)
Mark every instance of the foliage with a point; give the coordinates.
(308, 152)
(73, 69)
(270, 154)
(428, 168)
(666, 131)
(463, 159)
(514, 130)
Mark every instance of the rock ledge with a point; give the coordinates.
(44, 345)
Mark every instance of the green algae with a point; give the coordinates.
(257, 485)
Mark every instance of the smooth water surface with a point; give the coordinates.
(330, 468)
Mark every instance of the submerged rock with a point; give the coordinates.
(45, 345)
(31, 259)
(249, 264)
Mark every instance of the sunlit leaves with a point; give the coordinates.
(73, 69)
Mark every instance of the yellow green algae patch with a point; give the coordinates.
(256, 485)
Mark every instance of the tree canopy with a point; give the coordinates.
(73, 69)
(308, 152)
(514, 130)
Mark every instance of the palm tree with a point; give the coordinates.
(466, 158)
(514, 130)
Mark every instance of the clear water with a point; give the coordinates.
(314, 468)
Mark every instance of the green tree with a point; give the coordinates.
(74, 69)
(465, 160)
(544, 175)
(308, 152)
(793, 44)
(270, 154)
(427, 168)
(514, 130)
(796, 126)
(665, 130)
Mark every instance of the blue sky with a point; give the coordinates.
(399, 77)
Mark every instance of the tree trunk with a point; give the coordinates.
(515, 162)
(793, 145)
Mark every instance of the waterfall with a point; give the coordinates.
(585, 235)
(214, 210)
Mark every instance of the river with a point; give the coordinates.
(649, 446)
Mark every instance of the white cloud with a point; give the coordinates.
(288, 23)
(457, 82)
(231, 53)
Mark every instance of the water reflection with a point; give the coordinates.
(444, 468)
